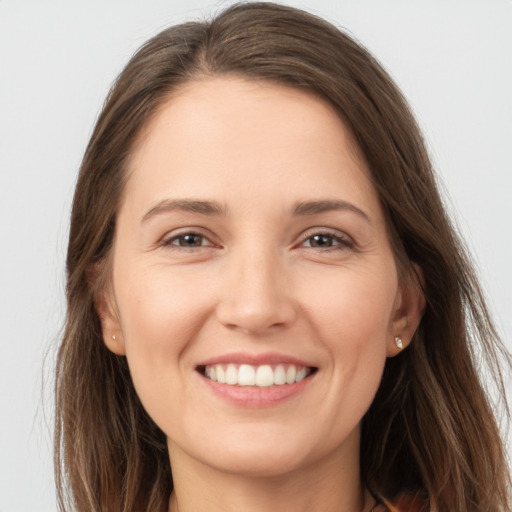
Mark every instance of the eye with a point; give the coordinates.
(187, 240)
(328, 241)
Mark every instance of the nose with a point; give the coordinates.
(257, 295)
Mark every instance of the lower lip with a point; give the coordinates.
(252, 396)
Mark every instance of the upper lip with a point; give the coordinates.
(271, 358)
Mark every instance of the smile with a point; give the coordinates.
(261, 376)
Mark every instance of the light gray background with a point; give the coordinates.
(453, 59)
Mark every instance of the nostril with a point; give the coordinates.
(254, 309)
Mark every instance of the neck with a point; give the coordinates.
(331, 484)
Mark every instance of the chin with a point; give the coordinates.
(260, 462)
(267, 451)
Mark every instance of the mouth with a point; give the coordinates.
(259, 376)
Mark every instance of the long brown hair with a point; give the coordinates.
(431, 430)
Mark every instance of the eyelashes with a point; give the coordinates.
(321, 240)
(187, 240)
(326, 240)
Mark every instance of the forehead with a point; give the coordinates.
(224, 133)
(231, 103)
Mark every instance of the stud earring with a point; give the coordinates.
(114, 337)
(398, 342)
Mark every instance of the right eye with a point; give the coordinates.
(186, 241)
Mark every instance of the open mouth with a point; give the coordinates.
(262, 376)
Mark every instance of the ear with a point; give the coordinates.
(408, 310)
(105, 306)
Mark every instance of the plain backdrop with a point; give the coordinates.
(452, 58)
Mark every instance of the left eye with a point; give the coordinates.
(188, 240)
(325, 240)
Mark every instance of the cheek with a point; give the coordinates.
(158, 308)
(160, 316)
(354, 306)
(352, 314)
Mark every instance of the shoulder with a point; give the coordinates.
(405, 503)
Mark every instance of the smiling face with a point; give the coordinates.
(255, 292)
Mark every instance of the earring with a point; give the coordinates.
(114, 337)
(398, 342)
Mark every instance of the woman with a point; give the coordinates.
(265, 294)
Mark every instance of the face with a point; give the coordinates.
(255, 293)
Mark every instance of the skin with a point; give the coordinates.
(257, 282)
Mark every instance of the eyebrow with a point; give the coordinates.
(209, 208)
(213, 208)
(327, 205)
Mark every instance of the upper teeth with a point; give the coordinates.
(262, 376)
